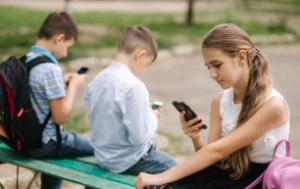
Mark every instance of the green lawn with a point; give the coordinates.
(18, 28)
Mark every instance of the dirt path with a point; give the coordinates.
(167, 6)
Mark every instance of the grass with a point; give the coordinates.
(18, 28)
(77, 123)
(176, 145)
(273, 6)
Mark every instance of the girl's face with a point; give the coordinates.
(227, 71)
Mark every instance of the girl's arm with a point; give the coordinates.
(193, 131)
(215, 120)
(271, 114)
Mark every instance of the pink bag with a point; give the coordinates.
(282, 173)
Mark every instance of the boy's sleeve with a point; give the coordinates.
(139, 119)
(54, 83)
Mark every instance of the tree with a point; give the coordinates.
(66, 5)
(190, 12)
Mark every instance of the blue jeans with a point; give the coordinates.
(72, 145)
(154, 161)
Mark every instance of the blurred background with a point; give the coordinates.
(179, 72)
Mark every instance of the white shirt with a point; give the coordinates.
(263, 147)
(120, 117)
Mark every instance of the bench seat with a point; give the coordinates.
(82, 170)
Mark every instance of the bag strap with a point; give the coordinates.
(34, 62)
(287, 154)
(287, 148)
(29, 65)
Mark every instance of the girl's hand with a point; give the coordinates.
(145, 179)
(191, 128)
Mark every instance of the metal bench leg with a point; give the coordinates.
(17, 178)
(30, 183)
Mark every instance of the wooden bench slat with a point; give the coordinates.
(92, 169)
(74, 170)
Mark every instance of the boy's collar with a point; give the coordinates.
(121, 65)
(43, 52)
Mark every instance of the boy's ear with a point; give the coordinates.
(59, 38)
(140, 53)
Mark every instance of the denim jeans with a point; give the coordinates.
(72, 145)
(154, 161)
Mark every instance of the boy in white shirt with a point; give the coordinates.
(119, 112)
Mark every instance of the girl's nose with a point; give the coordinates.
(213, 73)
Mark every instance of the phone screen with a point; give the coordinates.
(83, 70)
(156, 105)
(189, 113)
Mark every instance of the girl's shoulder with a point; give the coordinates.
(275, 108)
(276, 100)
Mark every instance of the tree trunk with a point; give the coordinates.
(190, 13)
(66, 5)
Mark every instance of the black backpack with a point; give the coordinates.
(17, 116)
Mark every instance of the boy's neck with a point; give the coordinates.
(45, 44)
(124, 59)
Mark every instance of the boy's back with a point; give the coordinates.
(120, 116)
(46, 82)
(125, 127)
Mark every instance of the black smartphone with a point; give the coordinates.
(83, 70)
(189, 113)
(156, 105)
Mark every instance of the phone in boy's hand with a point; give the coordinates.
(189, 113)
(83, 70)
(156, 105)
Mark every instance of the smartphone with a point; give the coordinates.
(156, 105)
(189, 113)
(83, 70)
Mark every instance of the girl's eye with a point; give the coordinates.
(217, 65)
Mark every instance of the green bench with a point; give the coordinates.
(83, 170)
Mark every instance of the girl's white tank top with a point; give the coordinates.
(262, 148)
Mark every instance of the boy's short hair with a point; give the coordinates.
(135, 37)
(58, 23)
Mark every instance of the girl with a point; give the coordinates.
(247, 119)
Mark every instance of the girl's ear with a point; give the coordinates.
(243, 57)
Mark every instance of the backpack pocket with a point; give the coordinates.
(28, 129)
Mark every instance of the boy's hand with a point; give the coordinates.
(156, 112)
(77, 80)
(67, 77)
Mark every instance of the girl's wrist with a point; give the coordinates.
(196, 139)
(163, 178)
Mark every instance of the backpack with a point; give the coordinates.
(18, 119)
(282, 172)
